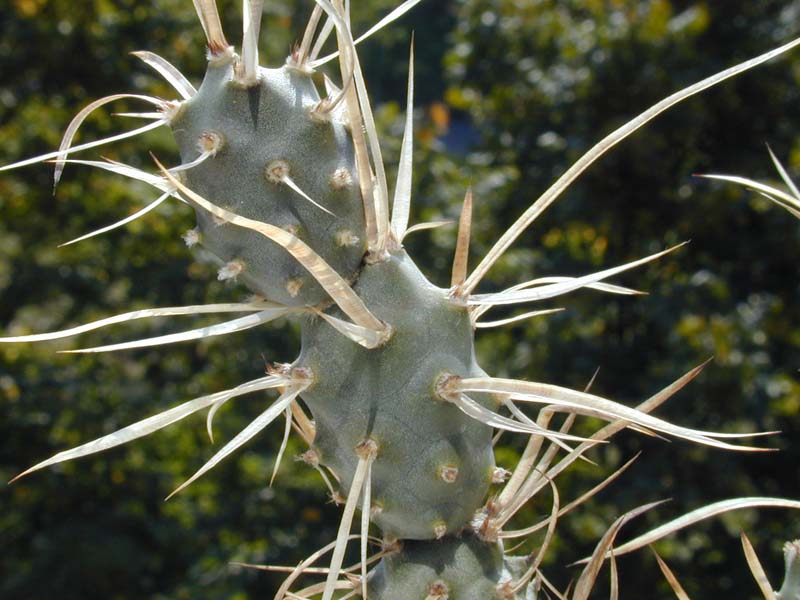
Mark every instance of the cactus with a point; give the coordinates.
(283, 169)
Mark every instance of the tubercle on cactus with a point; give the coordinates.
(291, 199)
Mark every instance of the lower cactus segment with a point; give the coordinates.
(453, 568)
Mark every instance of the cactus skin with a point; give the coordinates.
(258, 127)
(388, 395)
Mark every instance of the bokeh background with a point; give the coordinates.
(509, 93)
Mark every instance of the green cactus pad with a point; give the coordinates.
(263, 132)
(434, 464)
(453, 568)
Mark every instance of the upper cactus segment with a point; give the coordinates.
(272, 161)
(449, 569)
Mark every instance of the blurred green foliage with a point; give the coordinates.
(510, 92)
